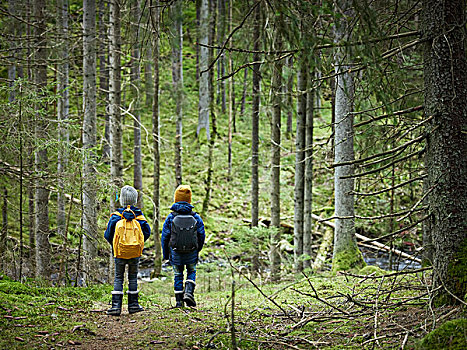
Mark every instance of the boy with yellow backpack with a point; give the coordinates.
(126, 232)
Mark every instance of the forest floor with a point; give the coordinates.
(316, 312)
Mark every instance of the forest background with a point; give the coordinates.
(301, 126)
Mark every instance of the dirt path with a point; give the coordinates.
(154, 328)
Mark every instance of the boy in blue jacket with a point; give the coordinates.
(128, 196)
(179, 258)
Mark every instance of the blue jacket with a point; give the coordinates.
(167, 252)
(110, 231)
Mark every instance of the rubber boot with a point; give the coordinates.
(188, 296)
(179, 300)
(116, 309)
(133, 305)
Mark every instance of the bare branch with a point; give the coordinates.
(384, 116)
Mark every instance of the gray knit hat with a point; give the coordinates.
(128, 196)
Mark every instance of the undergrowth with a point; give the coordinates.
(301, 312)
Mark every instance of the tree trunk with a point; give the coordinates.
(115, 120)
(137, 95)
(245, 83)
(148, 79)
(255, 105)
(31, 220)
(289, 93)
(445, 75)
(204, 103)
(299, 188)
(427, 230)
(63, 106)
(345, 254)
(41, 156)
(276, 87)
(13, 32)
(231, 97)
(89, 219)
(4, 228)
(177, 79)
(116, 162)
(308, 206)
(156, 143)
(104, 76)
(221, 61)
(212, 112)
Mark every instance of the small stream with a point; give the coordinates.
(383, 260)
(371, 257)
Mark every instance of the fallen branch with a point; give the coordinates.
(370, 241)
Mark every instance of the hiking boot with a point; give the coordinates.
(116, 309)
(188, 296)
(133, 305)
(179, 300)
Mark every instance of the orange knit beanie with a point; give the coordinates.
(182, 194)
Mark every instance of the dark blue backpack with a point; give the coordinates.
(184, 234)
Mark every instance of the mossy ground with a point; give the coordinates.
(322, 311)
(451, 335)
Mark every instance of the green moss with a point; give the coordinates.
(349, 259)
(371, 269)
(457, 271)
(451, 335)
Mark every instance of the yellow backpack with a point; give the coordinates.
(128, 239)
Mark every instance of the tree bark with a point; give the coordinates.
(255, 105)
(116, 162)
(289, 94)
(177, 79)
(230, 95)
(89, 218)
(31, 220)
(156, 142)
(276, 158)
(63, 107)
(255, 121)
(41, 156)
(221, 61)
(115, 119)
(299, 188)
(445, 75)
(245, 83)
(104, 76)
(308, 198)
(345, 254)
(137, 95)
(4, 229)
(212, 111)
(204, 103)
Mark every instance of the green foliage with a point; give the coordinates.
(451, 335)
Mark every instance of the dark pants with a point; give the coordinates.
(178, 275)
(132, 274)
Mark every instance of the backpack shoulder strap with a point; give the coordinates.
(141, 217)
(116, 213)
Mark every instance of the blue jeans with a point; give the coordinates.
(132, 274)
(178, 275)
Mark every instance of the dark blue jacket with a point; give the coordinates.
(167, 252)
(110, 231)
